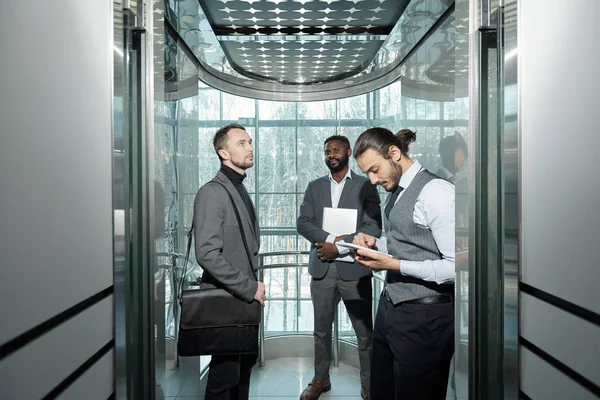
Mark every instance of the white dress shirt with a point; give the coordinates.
(434, 211)
(336, 194)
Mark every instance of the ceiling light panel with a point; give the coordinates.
(332, 29)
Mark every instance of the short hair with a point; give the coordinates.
(449, 145)
(381, 139)
(340, 138)
(221, 137)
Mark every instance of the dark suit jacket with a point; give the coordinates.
(359, 194)
(218, 242)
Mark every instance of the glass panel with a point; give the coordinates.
(235, 107)
(304, 283)
(346, 331)
(353, 108)
(210, 105)
(281, 283)
(277, 160)
(306, 319)
(318, 110)
(277, 210)
(311, 155)
(449, 111)
(421, 109)
(208, 161)
(409, 108)
(426, 148)
(276, 110)
(433, 110)
(250, 181)
(388, 98)
(280, 316)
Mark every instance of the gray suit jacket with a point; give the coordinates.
(359, 194)
(218, 242)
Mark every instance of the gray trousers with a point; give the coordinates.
(358, 297)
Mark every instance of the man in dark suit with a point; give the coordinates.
(220, 250)
(334, 279)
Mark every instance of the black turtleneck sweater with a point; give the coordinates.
(237, 179)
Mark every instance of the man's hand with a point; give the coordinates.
(364, 240)
(377, 261)
(338, 238)
(260, 293)
(327, 251)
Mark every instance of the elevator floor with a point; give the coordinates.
(280, 379)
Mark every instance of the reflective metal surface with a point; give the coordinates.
(358, 51)
(492, 191)
(119, 244)
(510, 165)
(134, 230)
(463, 87)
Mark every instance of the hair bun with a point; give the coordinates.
(406, 135)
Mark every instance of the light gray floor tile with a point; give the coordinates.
(280, 379)
(287, 377)
(193, 387)
(296, 398)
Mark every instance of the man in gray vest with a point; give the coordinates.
(413, 337)
(333, 278)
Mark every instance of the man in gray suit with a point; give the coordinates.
(333, 279)
(220, 250)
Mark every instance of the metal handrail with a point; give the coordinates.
(284, 253)
(282, 265)
(169, 254)
(262, 268)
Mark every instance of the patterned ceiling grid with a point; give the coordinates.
(301, 41)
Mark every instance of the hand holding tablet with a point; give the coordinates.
(356, 247)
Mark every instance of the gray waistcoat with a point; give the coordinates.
(407, 241)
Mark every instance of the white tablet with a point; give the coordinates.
(356, 247)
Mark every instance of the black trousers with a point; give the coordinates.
(412, 349)
(229, 377)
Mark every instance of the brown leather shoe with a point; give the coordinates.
(365, 393)
(314, 389)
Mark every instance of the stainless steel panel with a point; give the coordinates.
(560, 141)
(571, 344)
(135, 354)
(55, 158)
(55, 355)
(510, 166)
(539, 380)
(489, 377)
(97, 381)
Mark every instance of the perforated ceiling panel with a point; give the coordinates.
(301, 41)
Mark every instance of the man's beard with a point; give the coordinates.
(395, 176)
(244, 164)
(342, 163)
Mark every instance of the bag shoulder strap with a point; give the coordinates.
(191, 232)
(239, 221)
